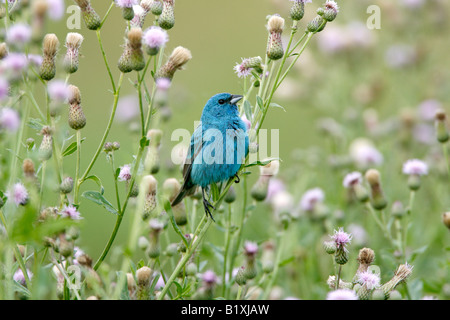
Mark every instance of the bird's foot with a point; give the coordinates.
(207, 205)
(237, 178)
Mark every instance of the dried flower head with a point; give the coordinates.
(179, 57)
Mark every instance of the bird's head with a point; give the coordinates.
(222, 105)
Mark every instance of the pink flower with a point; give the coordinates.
(9, 119)
(250, 248)
(56, 9)
(125, 173)
(15, 63)
(209, 277)
(369, 279)
(35, 59)
(311, 198)
(415, 167)
(58, 90)
(163, 84)
(18, 34)
(20, 278)
(247, 122)
(70, 212)
(341, 238)
(4, 88)
(342, 294)
(352, 178)
(155, 37)
(127, 108)
(19, 194)
(126, 3)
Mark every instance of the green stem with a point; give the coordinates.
(105, 135)
(105, 60)
(77, 169)
(227, 246)
(274, 274)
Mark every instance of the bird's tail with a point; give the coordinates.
(184, 192)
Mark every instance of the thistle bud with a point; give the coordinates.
(71, 59)
(330, 11)
(3, 50)
(46, 147)
(365, 258)
(241, 279)
(353, 182)
(397, 210)
(65, 247)
(152, 160)
(50, 48)
(132, 57)
(250, 251)
(28, 169)
(297, 10)
(260, 189)
(91, 18)
(143, 276)
(179, 57)
(167, 18)
(39, 10)
(316, 25)
(275, 27)
(330, 247)
(446, 219)
(378, 199)
(77, 119)
(441, 126)
(148, 190)
(230, 197)
(127, 8)
(154, 249)
(401, 274)
(66, 185)
(131, 284)
(268, 257)
(171, 188)
(153, 6)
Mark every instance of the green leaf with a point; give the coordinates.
(144, 142)
(124, 294)
(99, 199)
(35, 124)
(260, 102)
(248, 110)
(97, 181)
(276, 105)
(71, 148)
(261, 163)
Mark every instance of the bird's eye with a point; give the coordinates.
(221, 101)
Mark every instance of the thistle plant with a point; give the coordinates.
(262, 233)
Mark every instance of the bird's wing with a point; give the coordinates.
(194, 149)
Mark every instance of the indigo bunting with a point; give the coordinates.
(218, 148)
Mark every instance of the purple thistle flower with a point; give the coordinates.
(18, 34)
(4, 88)
(209, 278)
(15, 63)
(126, 3)
(155, 37)
(163, 84)
(369, 279)
(19, 194)
(9, 119)
(58, 91)
(20, 277)
(125, 173)
(342, 294)
(70, 212)
(35, 59)
(351, 179)
(56, 9)
(341, 238)
(250, 248)
(415, 167)
(127, 108)
(311, 198)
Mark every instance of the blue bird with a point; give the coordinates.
(218, 148)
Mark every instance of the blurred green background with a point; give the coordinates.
(349, 73)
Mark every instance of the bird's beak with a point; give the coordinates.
(235, 99)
